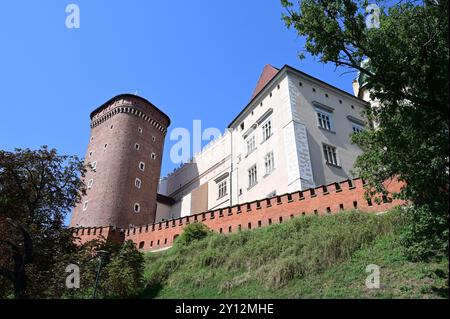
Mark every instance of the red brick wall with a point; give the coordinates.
(83, 235)
(321, 200)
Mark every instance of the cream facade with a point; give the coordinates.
(294, 134)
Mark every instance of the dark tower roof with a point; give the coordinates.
(128, 95)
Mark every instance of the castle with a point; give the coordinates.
(291, 139)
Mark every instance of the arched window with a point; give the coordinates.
(137, 208)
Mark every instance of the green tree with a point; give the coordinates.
(37, 190)
(121, 274)
(404, 64)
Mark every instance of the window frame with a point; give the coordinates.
(250, 142)
(222, 188)
(325, 117)
(326, 149)
(269, 158)
(267, 127)
(138, 183)
(252, 176)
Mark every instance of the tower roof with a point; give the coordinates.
(267, 74)
(127, 95)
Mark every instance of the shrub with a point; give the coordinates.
(425, 235)
(192, 232)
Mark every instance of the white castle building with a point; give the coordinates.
(293, 134)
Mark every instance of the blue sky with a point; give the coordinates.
(193, 59)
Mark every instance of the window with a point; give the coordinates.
(357, 128)
(267, 129)
(105, 146)
(85, 205)
(137, 208)
(153, 138)
(251, 144)
(324, 120)
(252, 176)
(330, 155)
(153, 156)
(94, 165)
(137, 146)
(268, 163)
(91, 153)
(90, 183)
(222, 187)
(142, 166)
(137, 183)
(242, 126)
(140, 130)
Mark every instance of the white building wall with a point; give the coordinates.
(296, 144)
(344, 107)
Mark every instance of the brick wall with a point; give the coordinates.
(321, 200)
(83, 235)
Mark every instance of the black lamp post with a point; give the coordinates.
(102, 254)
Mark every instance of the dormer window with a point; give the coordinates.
(142, 166)
(137, 207)
(90, 183)
(137, 147)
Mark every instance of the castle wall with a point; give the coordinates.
(322, 200)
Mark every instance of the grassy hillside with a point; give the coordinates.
(307, 257)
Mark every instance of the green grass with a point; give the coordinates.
(307, 257)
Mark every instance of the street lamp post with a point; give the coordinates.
(102, 254)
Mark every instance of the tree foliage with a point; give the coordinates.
(37, 190)
(192, 232)
(404, 64)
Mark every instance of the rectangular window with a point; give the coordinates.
(330, 155)
(267, 130)
(252, 176)
(357, 128)
(222, 186)
(324, 120)
(137, 183)
(251, 144)
(269, 163)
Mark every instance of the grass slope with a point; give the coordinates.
(307, 257)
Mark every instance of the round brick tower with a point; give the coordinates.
(125, 152)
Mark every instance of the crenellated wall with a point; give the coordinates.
(83, 235)
(321, 200)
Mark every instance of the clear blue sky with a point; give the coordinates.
(193, 59)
